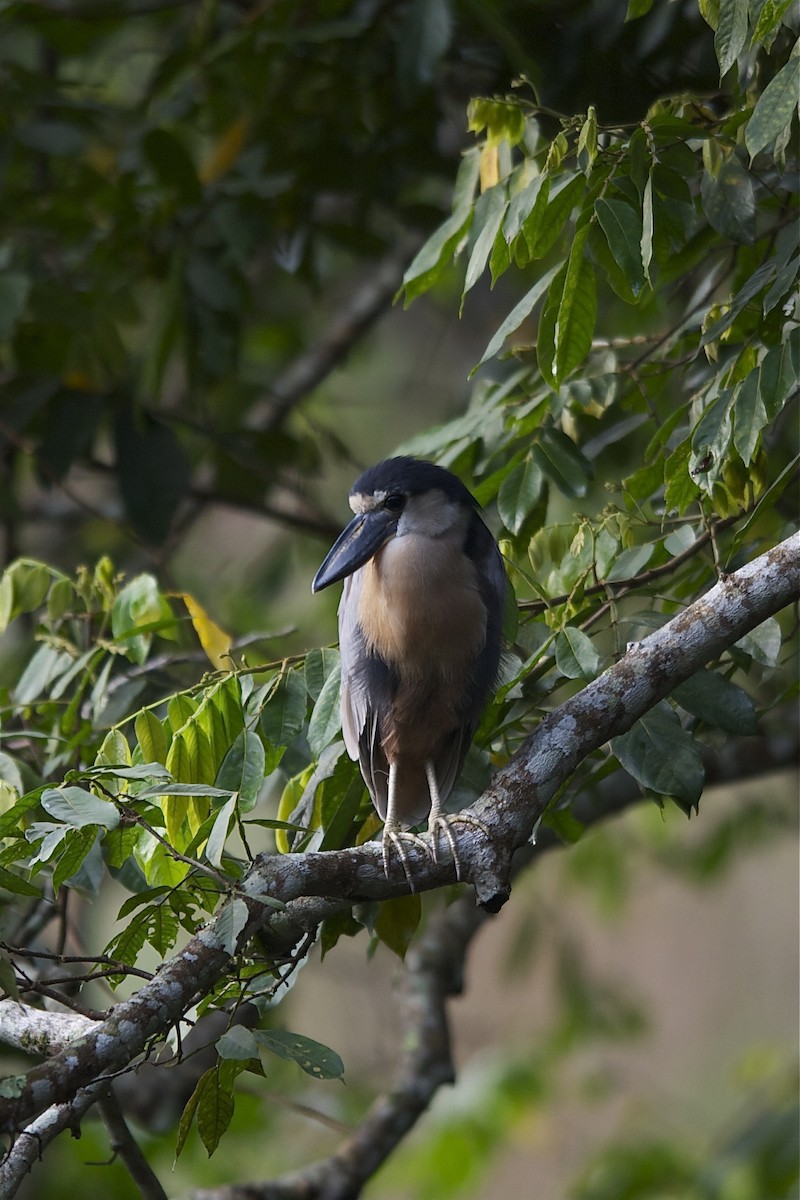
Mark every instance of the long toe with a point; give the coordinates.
(395, 838)
(444, 823)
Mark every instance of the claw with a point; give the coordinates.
(395, 837)
(443, 822)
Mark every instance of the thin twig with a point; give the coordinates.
(123, 1143)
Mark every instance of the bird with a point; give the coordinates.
(420, 638)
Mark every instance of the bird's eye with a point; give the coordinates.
(395, 503)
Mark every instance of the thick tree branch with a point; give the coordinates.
(309, 886)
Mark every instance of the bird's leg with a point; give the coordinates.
(439, 820)
(392, 833)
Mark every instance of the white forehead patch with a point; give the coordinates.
(361, 502)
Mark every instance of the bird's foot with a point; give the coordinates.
(394, 837)
(444, 822)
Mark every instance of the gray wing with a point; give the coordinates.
(493, 583)
(365, 691)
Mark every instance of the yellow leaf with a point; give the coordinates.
(215, 641)
(225, 151)
(490, 166)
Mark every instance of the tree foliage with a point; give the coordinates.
(630, 429)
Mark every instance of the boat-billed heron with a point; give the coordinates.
(420, 624)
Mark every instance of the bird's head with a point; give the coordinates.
(396, 497)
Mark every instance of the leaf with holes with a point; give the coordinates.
(314, 1058)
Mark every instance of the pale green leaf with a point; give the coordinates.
(763, 644)
(77, 807)
(489, 213)
(774, 110)
(219, 832)
(647, 226)
(237, 1042)
(731, 33)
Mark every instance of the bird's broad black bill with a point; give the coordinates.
(355, 545)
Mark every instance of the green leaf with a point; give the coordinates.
(503, 121)
(576, 657)
(10, 882)
(731, 33)
(519, 494)
(182, 789)
(662, 757)
(623, 232)
(318, 666)
(8, 979)
(151, 736)
(397, 922)
(77, 807)
(313, 1057)
(284, 713)
(629, 563)
(749, 416)
(710, 440)
(587, 141)
(157, 925)
(517, 315)
(325, 721)
(522, 204)
(572, 309)
(339, 798)
(680, 490)
(489, 212)
(544, 225)
(769, 20)
(561, 461)
(715, 700)
(215, 1106)
(779, 374)
(46, 666)
(242, 769)
(437, 252)
(77, 845)
(139, 606)
(638, 8)
(774, 109)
